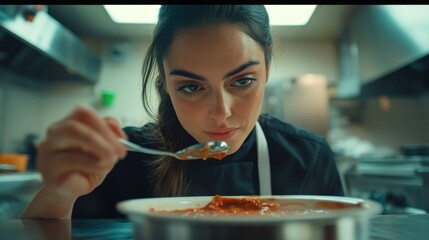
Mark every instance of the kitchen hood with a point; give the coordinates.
(34, 44)
(392, 49)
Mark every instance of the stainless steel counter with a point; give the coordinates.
(16, 191)
(395, 227)
(394, 181)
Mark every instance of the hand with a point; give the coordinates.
(78, 152)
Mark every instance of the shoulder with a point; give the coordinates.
(303, 156)
(285, 139)
(274, 127)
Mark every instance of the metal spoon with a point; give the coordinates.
(212, 149)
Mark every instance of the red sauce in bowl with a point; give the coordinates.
(256, 206)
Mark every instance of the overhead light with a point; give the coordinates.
(133, 13)
(291, 15)
(148, 14)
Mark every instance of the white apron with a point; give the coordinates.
(263, 162)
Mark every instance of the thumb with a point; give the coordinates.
(115, 126)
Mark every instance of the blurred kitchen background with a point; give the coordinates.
(356, 75)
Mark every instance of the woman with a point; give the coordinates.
(210, 65)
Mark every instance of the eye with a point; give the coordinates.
(244, 82)
(189, 90)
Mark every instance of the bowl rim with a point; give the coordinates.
(133, 209)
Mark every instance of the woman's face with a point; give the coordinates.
(216, 77)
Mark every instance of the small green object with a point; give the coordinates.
(107, 98)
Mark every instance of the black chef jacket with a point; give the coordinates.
(301, 162)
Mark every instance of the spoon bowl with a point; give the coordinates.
(211, 149)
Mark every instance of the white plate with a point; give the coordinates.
(140, 209)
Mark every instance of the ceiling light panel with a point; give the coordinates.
(292, 15)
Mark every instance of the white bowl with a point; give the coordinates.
(345, 223)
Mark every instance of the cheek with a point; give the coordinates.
(187, 112)
(251, 105)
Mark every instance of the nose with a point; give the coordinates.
(220, 106)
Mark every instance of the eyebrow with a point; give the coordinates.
(187, 74)
(241, 68)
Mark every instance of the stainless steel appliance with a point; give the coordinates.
(34, 44)
(400, 183)
(390, 49)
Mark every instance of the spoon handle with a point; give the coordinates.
(137, 148)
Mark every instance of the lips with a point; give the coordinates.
(221, 134)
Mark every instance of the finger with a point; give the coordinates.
(91, 118)
(116, 128)
(74, 135)
(65, 161)
(64, 164)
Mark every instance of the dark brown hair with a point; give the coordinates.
(168, 174)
